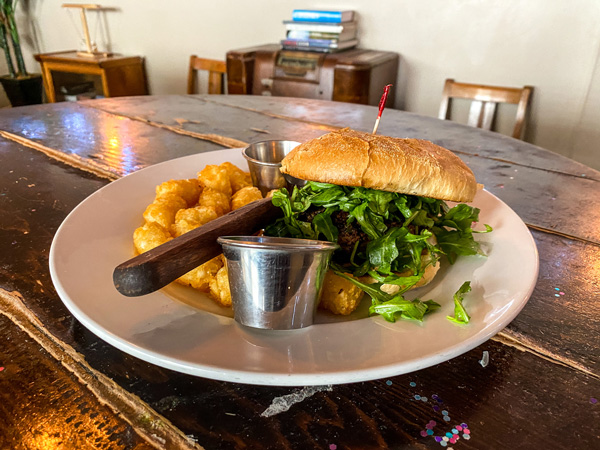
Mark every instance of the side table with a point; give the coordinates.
(113, 75)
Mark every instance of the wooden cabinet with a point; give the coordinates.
(353, 76)
(113, 75)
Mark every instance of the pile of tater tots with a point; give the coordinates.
(182, 205)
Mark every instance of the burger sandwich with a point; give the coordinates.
(383, 200)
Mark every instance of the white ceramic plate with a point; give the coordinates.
(181, 329)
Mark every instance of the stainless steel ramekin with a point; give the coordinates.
(275, 282)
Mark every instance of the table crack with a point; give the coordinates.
(508, 161)
(70, 159)
(521, 342)
(561, 234)
(223, 141)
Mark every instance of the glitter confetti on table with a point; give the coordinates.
(332, 447)
(388, 382)
(446, 415)
(1, 369)
(448, 437)
(593, 400)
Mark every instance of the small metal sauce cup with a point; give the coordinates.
(264, 161)
(275, 282)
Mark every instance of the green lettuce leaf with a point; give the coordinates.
(323, 223)
(392, 307)
(460, 313)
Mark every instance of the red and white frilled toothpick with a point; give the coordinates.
(386, 91)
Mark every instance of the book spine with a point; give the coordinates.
(307, 15)
(313, 41)
(311, 49)
(312, 26)
(322, 43)
(311, 35)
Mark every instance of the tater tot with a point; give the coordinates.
(200, 277)
(237, 177)
(217, 200)
(188, 190)
(219, 287)
(339, 295)
(190, 218)
(215, 178)
(244, 196)
(163, 210)
(148, 236)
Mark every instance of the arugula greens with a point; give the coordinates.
(388, 236)
(460, 313)
(389, 306)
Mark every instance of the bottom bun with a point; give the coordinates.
(430, 271)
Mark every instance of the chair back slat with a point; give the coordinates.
(484, 102)
(482, 114)
(216, 74)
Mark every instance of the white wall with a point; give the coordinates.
(552, 45)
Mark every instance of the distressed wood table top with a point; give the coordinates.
(62, 387)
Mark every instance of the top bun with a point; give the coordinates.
(408, 166)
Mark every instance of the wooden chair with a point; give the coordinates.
(216, 74)
(485, 99)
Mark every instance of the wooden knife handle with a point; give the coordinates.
(160, 266)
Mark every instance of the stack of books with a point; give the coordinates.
(320, 31)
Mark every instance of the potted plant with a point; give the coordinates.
(21, 87)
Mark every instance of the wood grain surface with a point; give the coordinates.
(52, 411)
(539, 389)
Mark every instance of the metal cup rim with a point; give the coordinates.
(264, 163)
(277, 243)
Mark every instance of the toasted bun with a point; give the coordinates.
(408, 166)
(428, 275)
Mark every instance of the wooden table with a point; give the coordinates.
(62, 387)
(114, 75)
